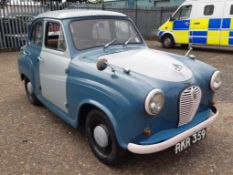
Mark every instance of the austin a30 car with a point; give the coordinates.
(94, 70)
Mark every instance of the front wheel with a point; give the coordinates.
(101, 137)
(30, 93)
(168, 41)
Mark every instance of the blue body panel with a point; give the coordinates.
(29, 64)
(215, 24)
(163, 135)
(108, 91)
(181, 25)
(121, 96)
(226, 23)
(198, 37)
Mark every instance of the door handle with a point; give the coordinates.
(26, 53)
(40, 59)
(196, 23)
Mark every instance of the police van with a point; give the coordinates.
(199, 22)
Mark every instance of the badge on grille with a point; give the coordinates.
(194, 95)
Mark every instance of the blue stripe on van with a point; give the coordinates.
(161, 33)
(215, 23)
(199, 33)
(226, 23)
(198, 37)
(231, 34)
(198, 40)
(181, 25)
(231, 41)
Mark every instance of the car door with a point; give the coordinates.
(227, 25)
(33, 51)
(205, 27)
(54, 62)
(181, 22)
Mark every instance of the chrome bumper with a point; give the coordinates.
(147, 149)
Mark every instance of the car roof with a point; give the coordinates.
(208, 1)
(63, 14)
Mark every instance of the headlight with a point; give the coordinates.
(216, 80)
(154, 102)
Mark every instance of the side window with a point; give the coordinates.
(54, 36)
(37, 34)
(231, 11)
(183, 13)
(209, 10)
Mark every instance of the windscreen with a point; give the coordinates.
(99, 32)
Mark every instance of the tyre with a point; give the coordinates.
(30, 94)
(101, 138)
(168, 41)
(184, 46)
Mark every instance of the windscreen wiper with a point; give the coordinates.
(130, 38)
(109, 43)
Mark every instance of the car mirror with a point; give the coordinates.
(171, 18)
(102, 64)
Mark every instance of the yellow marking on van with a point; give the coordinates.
(224, 41)
(181, 36)
(199, 24)
(231, 24)
(167, 26)
(213, 37)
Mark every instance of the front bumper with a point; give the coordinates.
(147, 149)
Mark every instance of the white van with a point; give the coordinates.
(201, 22)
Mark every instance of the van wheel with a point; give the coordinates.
(30, 94)
(185, 46)
(101, 137)
(168, 41)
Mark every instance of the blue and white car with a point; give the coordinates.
(93, 69)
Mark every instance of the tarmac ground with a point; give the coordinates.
(35, 141)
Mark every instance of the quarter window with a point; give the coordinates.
(209, 10)
(183, 13)
(37, 34)
(231, 11)
(54, 38)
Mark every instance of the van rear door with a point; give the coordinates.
(226, 38)
(205, 26)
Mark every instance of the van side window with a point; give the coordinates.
(37, 35)
(54, 37)
(231, 11)
(183, 13)
(209, 10)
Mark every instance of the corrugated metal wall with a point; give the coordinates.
(16, 16)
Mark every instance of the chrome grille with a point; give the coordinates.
(189, 102)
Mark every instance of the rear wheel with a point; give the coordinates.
(168, 41)
(30, 92)
(101, 137)
(185, 46)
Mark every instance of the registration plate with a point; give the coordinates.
(184, 144)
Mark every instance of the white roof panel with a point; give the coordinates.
(62, 14)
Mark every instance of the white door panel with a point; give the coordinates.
(53, 77)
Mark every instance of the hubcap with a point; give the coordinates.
(167, 41)
(29, 88)
(101, 136)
